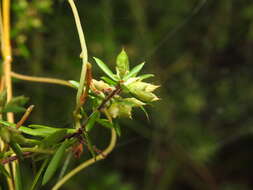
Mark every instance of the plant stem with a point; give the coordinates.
(41, 79)
(7, 58)
(25, 116)
(84, 53)
(7, 53)
(88, 162)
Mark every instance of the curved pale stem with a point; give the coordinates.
(41, 79)
(89, 162)
(84, 53)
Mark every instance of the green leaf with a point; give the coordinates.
(104, 68)
(145, 76)
(117, 128)
(41, 130)
(35, 132)
(145, 111)
(37, 180)
(19, 100)
(122, 64)
(105, 123)
(4, 171)
(3, 98)
(134, 71)
(13, 108)
(54, 163)
(133, 102)
(5, 134)
(92, 120)
(16, 148)
(17, 178)
(54, 138)
(42, 127)
(90, 145)
(109, 81)
(6, 123)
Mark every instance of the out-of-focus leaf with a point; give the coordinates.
(19, 100)
(92, 120)
(109, 81)
(145, 111)
(35, 132)
(145, 76)
(133, 102)
(3, 98)
(90, 145)
(41, 130)
(18, 178)
(13, 108)
(4, 171)
(16, 148)
(117, 128)
(54, 163)
(54, 138)
(5, 134)
(37, 180)
(134, 71)
(6, 123)
(104, 68)
(105, 123)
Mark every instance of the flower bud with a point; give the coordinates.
(101, 86)
(134, 102)
(114, 110)
(143, 91)
(122, 64)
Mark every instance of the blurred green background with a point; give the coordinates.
(199, 135)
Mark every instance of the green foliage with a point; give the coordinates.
(54, 163)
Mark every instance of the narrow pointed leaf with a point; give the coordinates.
(35, 132)
(145, 111)
(37, 180)
(19, 100)
(65, 165)
(117, 129)
(13, 108)
(54, 163)
(6, 123)
(145, 76)
(134, 71)
(122, 64)
(105, 123)
(3, 98)
(4, 171)
(109, 81)
(90, 145)
(104, 68)
(16, 148)
(92, 120)
(54, 138)
(17, 178)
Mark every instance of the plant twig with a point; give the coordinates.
(7, 59)
(25, 116)
(41, 79)
(84, 53)
(111, 95)
(13, 158)
(89, 162)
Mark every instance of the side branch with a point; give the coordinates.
(89, 162)
(41, 79)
